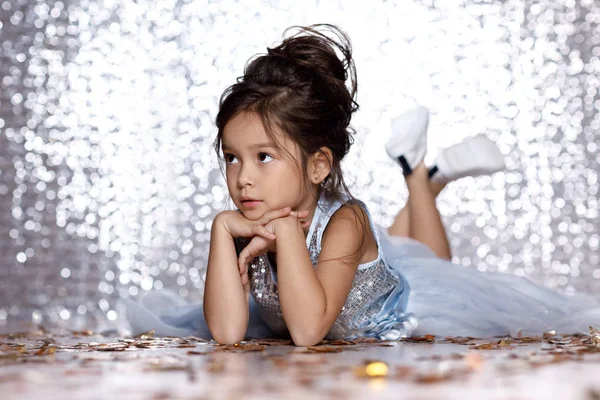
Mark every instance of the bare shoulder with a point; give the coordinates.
(350, 215)
(349, 229)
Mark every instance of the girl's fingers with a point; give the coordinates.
(241, 263)
(302, 213)
(264, 232)
(256, 247)
(271, 215)
(284, 212)
(245, 256)
(243, 267)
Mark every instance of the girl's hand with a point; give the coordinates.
(259, 245)
(237, 225)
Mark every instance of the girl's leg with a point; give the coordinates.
(420, 219)
(401, 224)
(424, 221)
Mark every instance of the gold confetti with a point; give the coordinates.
(372, 369)
(595, 336)
(146, 335)
(425, 339)
(376, 368)
(549, 334)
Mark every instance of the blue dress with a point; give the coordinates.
(405, 291)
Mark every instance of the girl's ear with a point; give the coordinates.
(319, 165)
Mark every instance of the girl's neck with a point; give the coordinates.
(309, 204)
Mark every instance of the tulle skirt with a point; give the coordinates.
(440, 298)
(448, 299)
(171, 315)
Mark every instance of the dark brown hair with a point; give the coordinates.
(300, 87)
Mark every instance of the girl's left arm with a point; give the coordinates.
(311, 299)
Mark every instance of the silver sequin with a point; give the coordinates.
(372, 284)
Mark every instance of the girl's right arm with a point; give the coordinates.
(225, 298)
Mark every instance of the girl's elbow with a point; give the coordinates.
(227, 332)
(306, 342)
(307, 338)
(228, 336)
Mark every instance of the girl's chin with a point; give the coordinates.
(252, 215)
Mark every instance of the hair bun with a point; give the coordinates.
(313, 49)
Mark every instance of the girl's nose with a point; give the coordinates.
(245, 177)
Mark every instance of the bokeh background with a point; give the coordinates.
(109, 183)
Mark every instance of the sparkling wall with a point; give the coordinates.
(108, 182)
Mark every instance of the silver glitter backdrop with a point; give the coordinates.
(108, 182)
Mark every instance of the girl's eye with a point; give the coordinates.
(264, 157)
(230, 158)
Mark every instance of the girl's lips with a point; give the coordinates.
(250, 203)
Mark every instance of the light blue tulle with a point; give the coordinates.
(448, 299)
(435, 297)
(170, 315)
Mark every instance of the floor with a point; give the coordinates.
(45, 365)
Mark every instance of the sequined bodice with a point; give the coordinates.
(372, 284)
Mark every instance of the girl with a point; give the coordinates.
(301, 258)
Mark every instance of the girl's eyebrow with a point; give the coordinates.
(254, 146)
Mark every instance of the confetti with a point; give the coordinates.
(146, 335)
(371, 369)
(425, 339)
(376, 368)
(595, 336)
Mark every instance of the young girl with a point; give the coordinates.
(301, 258)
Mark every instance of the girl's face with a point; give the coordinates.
(262, 176)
